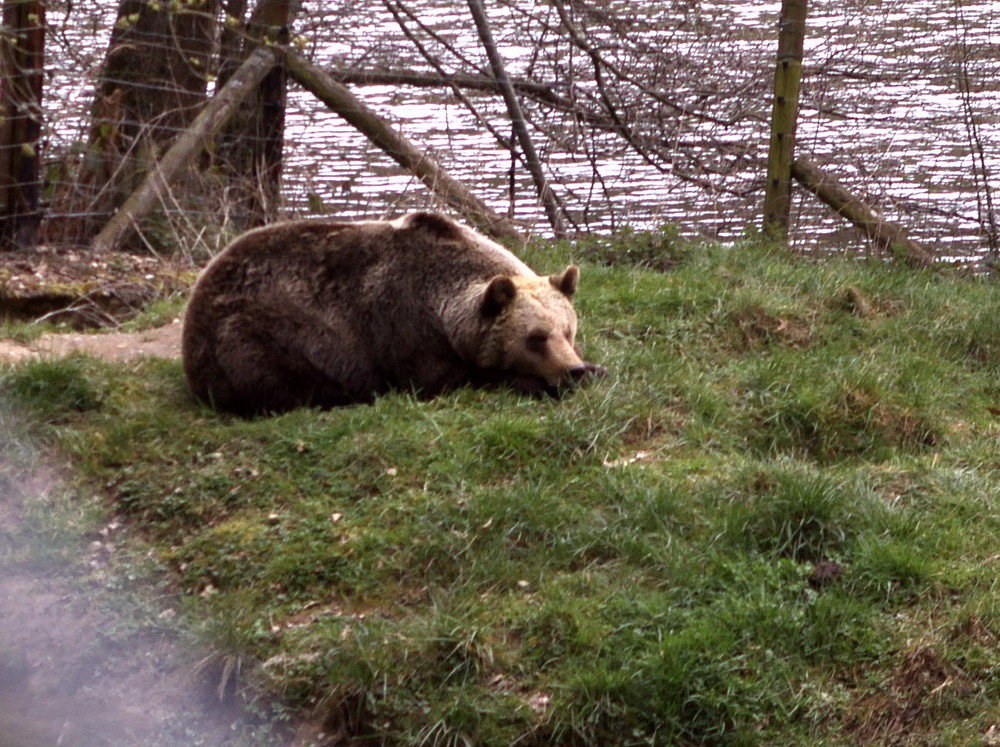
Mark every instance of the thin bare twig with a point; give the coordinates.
(980, 171)
(552, 209)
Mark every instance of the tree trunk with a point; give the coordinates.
(153, 82)
(886, 236)
(251, 147)
(784, 117)
(340, 99)
(186, 149)
(21, 76)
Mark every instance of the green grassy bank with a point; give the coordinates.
(776, 521)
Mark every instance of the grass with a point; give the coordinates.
(28, 331)
(638, 563)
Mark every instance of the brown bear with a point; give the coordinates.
(324, 313)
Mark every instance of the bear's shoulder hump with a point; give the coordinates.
(435, 225)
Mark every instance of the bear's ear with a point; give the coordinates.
(499, 293)
(566, 283)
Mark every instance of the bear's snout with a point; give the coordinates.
(577, 373)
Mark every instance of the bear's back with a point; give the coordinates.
(420, 256)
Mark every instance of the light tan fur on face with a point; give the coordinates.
(535, 334)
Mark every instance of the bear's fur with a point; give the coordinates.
(327, 313)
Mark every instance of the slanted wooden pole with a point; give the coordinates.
(186, 148)
(784, 117)
(384, 136)
(250, 149)
(885, 235)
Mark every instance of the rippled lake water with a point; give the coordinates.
(883, 109)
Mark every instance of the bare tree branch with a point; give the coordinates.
(191, 142)
(552, 209)
(980, 171)
(340, 99)
(397, 9)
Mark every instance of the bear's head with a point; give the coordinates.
(531, 328)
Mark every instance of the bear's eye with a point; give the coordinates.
(537, 342)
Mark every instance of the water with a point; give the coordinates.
(882, 109)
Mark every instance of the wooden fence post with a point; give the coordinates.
(784, 116)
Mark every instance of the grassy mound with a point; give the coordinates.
(775, 522)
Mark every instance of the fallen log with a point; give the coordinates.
(384, 136)
(885, 235)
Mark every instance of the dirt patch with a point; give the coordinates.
(757, 328)
(919, 694)
(93, 291)
(162, 342)
(63, 680)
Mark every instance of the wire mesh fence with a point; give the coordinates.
(643, 114)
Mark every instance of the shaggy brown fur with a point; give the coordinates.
(326, 313)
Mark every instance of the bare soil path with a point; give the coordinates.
(74, 669)
(67, 674)
(66, 677)
(90, 291)
(162, 342)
